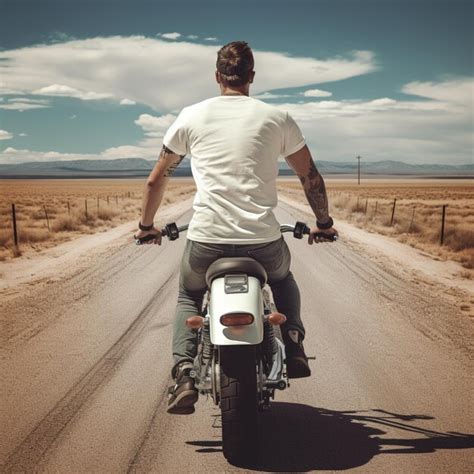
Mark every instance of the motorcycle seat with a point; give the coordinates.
(229, 265)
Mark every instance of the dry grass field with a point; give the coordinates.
(418, 211)
(50, 211)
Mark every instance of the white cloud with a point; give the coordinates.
(210, 38)
(4, 135)
(22, 106)
(14, 156)
(456, 90)
(60, 90)
(155, 126)
(23, 134)
(317, 93)
(192, 37)
(270, 95)
(171, 36)
(416, 131)
(28, 100)
(133, 68)
(127, 102)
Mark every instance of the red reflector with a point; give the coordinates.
(236, 319)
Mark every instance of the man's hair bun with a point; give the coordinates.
(235, 62)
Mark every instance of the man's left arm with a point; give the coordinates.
(154, 190)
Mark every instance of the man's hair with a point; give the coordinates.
(235, 62)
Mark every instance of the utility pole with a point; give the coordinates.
(358, 170)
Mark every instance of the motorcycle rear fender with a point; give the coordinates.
(223, 303)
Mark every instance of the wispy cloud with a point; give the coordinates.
(192, 37)
(270, 95)
(22, 104)
(210, 38)
(4, 135)
(60, 90)
(132, 67)
(419, 131)
(171, 36)
(456, 90)
(127, 102)
(317, 93)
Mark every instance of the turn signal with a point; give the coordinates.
(236, 319)
(276, 319)
(195, 322)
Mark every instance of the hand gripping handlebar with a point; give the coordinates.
(299, 229)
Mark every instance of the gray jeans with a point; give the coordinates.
(275, 258)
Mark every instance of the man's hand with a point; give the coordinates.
(140, 234)
(316, 238)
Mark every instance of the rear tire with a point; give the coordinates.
(238, 402)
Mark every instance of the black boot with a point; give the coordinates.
(296, 359)
(183, 395)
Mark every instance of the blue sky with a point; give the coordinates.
(104, 79)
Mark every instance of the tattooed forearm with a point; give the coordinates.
(165, 154)
(169, 172)
(315, 190)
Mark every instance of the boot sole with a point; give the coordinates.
(183, 404)
(297, 368)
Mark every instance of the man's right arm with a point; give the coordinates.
(303, 165)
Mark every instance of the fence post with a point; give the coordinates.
(441, 241)
(393, 211)
(412, 219)
(108, 200)
(375, 211)
(47, 218)
(116, 200)
(97, 203)
(68, 209)
(366, 203)
(85, 202)
(15, 233)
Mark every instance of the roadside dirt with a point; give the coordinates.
(452, 279)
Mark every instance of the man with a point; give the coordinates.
(235, 142)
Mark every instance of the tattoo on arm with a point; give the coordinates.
(165, 152)
(315, 190)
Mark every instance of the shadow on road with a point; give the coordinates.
(298, 437)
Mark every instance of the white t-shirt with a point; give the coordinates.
(234, 142)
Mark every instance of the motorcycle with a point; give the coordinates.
(240, 362)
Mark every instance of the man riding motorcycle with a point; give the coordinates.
(235, 141)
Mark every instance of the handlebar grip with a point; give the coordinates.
(322, 235)
(300, 229)
(147, 238)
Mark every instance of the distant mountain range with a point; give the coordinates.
(131, 167)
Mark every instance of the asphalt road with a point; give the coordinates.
(391, 389)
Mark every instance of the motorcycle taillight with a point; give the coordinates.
(236, 319)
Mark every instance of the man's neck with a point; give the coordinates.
(229, 91)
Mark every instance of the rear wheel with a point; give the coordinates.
(238, 402)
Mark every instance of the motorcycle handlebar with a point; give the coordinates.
(172, 231)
